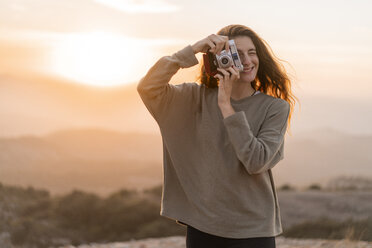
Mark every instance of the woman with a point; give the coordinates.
(221, 138)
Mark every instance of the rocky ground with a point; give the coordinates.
(179, 242)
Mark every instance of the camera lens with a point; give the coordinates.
(224, 61)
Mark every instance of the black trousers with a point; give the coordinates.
(198, 239)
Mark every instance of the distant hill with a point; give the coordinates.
(103, 160)
(93, 160)
(318, 155)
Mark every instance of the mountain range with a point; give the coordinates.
(103, 161)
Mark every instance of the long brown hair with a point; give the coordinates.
(271, 78)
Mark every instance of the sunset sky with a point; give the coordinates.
(328, 44)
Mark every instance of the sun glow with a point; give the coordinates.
(143, 6)
(99, 58)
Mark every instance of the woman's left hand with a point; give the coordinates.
(226, 80)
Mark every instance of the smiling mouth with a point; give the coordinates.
(248, 69)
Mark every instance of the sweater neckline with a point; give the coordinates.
(245, 98)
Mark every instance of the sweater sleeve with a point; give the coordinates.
(261, 153)
(162, 98)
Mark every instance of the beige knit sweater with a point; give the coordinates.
(217, 172)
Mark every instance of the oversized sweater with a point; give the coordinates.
(217, 171)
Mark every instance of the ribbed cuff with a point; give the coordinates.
(186, 57)
(235, 120)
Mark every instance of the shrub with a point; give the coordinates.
(161, 227)
(34, 219)
(154, 191)
(286, 187)
(325, 228)
(314, 187)
(77, 209)
(350, 182)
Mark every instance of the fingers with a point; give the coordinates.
(230, 73)
(234, 72)
(219, 43)
(211, 45)
(219, 77)
(224, 73)
(227, 45)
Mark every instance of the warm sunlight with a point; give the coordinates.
(98, 58)
(144, 6)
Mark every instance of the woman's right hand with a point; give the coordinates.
(213, 43)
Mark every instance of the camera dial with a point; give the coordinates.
(224, 60)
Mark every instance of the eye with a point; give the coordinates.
(252, 52)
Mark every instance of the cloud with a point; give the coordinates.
(140, 6)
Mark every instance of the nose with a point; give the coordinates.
(245, 59)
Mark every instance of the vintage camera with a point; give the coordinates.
(224, 60)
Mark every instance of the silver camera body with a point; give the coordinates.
(227, 59)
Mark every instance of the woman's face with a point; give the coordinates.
(248, 56)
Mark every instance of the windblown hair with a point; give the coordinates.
(271, 77)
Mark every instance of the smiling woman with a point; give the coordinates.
(98, 58)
